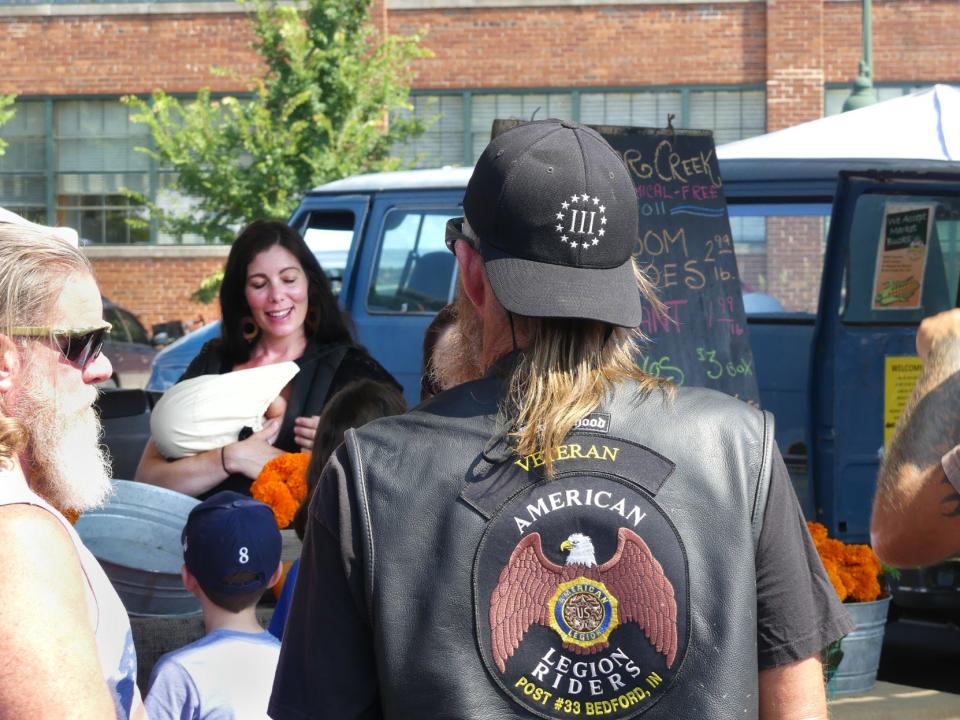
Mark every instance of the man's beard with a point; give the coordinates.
(67, 465)
(456, 358)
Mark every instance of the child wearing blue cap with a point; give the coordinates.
(231, 555)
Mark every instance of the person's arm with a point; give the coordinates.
(793, 692)
(916, 512)
(196, 474)
(798, 611)
(327, 667)
(49, 667)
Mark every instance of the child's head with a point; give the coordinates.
(352, 406)
(231, 546)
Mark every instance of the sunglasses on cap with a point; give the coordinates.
(454, 232)
(80, 346)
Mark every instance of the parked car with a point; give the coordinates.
(129, 347)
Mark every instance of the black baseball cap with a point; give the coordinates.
(230, 535)
(556, 214)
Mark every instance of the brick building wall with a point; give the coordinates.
(155, 283)
(604, 45)
(120, 54)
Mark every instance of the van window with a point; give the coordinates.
(890, 276)
(779, 248)
(414, 271)
(329, 234)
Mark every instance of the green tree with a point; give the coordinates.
(320, 112)
(6, 113)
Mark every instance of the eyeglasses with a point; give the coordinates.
(454, 232)
(80, 346)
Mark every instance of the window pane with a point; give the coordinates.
(96, 136)
(442, 143)
(633, 109)
(485, 108)
(93, 205)
(329, 234)
(414, 271)
(893, 291)
(731, 114)
(779, 251)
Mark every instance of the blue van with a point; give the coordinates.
(805, 263)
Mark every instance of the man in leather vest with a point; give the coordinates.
(564, 537)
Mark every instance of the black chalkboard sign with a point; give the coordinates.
(685, 248)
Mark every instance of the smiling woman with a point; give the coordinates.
(277, 306)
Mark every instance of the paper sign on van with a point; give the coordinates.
(594, 422)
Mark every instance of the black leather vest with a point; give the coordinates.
(625, 586)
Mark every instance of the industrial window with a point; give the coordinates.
(485, 108)
(834, 98)
(731, 114)
(23, 167)
(636, 109)
(96, 159)
(442, 143)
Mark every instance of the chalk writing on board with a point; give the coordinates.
(685, 248)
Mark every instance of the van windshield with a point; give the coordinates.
(779, 248)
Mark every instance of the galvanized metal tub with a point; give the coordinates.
(857, 672)
(136, 538)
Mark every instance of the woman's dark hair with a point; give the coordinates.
(352, 406)
(324, 320)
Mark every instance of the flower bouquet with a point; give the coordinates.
(282, 484)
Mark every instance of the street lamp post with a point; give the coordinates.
(864, 93)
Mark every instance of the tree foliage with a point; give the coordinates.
(319, 113)
(7, 112)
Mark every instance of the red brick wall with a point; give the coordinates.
(913, 40)
(794, 62)
(158, 289)
(117, 54)
(577, 46)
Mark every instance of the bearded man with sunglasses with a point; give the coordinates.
(67, 646)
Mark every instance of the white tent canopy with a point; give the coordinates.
(924, 125)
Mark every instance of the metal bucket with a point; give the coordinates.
(136, 538)
(857, 672)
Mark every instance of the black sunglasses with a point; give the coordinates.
(79, 346)
(454, 232)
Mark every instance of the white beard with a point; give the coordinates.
(67, 465)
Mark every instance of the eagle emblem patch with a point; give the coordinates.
(581, 599)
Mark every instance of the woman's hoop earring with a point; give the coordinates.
(249, 329)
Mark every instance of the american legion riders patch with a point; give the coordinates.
(581, 598)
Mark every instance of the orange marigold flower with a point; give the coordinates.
(818, 531)
(854, 570)
(282, 485)
(833, 572)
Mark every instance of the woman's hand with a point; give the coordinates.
(248, 457)
(305, 430)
